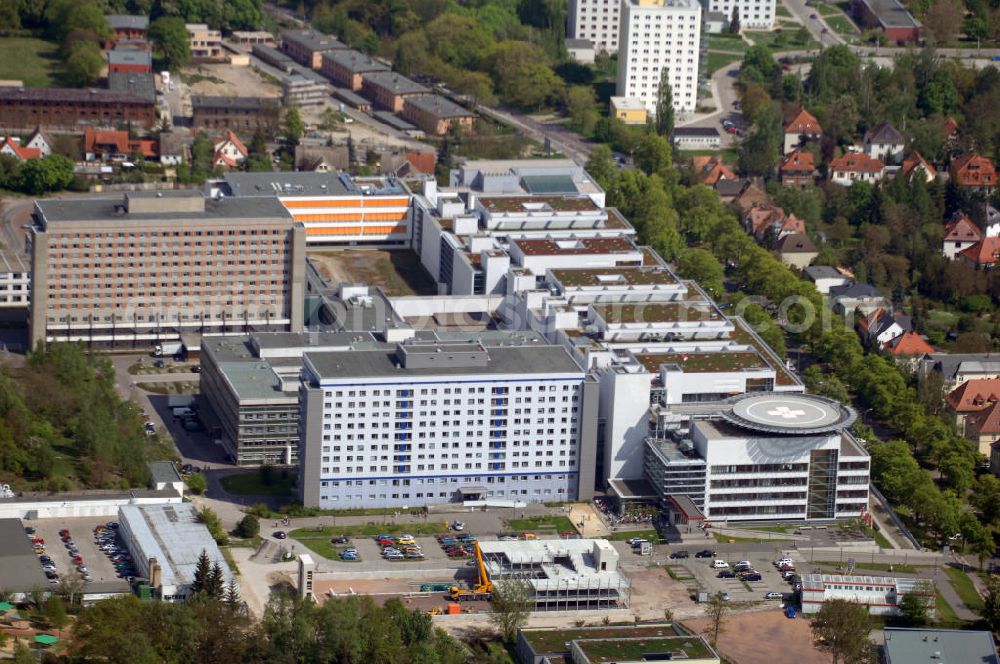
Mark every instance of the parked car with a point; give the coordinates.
(724, 595)
(340, 539)
(64, 533)
(783, 561)
(458, 525)
(393, 555)
(789, 611)
(753, 577)
(727, 574)
(705, 553)
(773, 595)
(720, 564)
(280, 534)
(507, 537)
(677, 555)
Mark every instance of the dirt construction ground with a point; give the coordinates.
(399, 273)
(775, 638)
(228, 81)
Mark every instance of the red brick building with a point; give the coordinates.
(888, 15)
(127, 26)
(69, 108)
(129, 61)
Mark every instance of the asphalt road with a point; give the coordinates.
(561, 139)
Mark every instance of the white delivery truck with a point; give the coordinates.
(169, 348)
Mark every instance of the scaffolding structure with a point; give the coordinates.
(560, 574)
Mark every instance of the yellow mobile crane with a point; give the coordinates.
(483, 588)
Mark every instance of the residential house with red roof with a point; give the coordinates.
(975, 172)
(709, 170)
(916, 166)
(885, 143)
(971, 397)
(984, 254)
(10, 147)
(113, 145)
(880, 326)
(229, 151)
(800, 127)
(959, 234)
(769, 223)
(797, 169)
(909, 345)
(856, 167)
(950, 128)
(750, 197)
(983, 428)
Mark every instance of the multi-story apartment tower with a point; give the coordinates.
(754, 14)
(154, 265)
(596, 20)
(658, 34)
(426, 422)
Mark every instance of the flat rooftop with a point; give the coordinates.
(615, 276)
(556, 640)
(55, 210)
(906, 645)
(703, 362)
(132, 83)
(742, 334)
(307, 184)
(231, 103)
(575, 203)
(502, 360)
(255, 382)
(173, 535)
(609, 651)
(130, 57)
(628, 103)
(20, 570)
(662, 312)
(582, 246)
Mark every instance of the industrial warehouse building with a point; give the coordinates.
(165, 542)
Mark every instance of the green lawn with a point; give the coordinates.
(650, 535)
(782, 11)
(781, 40)
(558, 524)
(963, 585)
(249, 484)
(842, 25)
(828, 10)
(35, 62)
(717, 61)
(369, 530)
(732, 43)
(946, 616)
(881, 540)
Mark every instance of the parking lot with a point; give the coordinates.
(99, 565)
(707, 577)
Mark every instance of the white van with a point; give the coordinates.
(183, 412)
(720, 564)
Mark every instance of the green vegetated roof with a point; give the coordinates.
(704, 362)
(557, 640)
(743, 336)
(613, 650)
(671, 312)
(615, 276)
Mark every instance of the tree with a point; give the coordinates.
(664, 105)
(293, 128)
(232, 595)
(655, 156)
(55, 613)
(170, 38)
(215, 583)
(913, 609)
(248, 526)
(511, 606)
(734, 22)
(701, 266)
(201, 573)
(581, 108)
(70, 585)
(22, 653)
(991, 602)
(841, 629)
(50, 173)
(944, 21)
(197, 483)
(716, 611)
(83, 67)
(760, 150)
